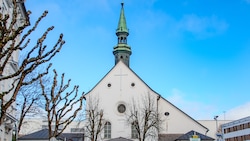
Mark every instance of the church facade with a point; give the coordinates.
(128, 109)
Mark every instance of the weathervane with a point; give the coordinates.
(122, 2)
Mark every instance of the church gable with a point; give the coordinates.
(121, 88)
(116, 93)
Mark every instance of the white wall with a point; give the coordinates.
(31, 125)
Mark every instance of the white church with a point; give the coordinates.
(124, 100)
(129, 110)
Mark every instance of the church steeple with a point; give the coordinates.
(122, 26)
(122, 51)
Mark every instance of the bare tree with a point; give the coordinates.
(94, 120)
(29, 101)
(59, 104)
(144, 118)
(37, 55)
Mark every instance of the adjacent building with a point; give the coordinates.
(7, 128)
(238, 130)
(214, 126)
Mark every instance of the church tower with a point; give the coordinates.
(122, 51)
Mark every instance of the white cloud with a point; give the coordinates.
(201, 111)
(202, 27)
(247, 1)
(238, 112)
(193, 108)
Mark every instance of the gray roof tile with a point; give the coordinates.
(120, 139)
(44, 134)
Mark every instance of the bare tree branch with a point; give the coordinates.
(94, 120)
(59, 104)
(144, 117)
(29, 100)
(10, 44)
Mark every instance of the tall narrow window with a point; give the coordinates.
(107, 130)
(134, 133)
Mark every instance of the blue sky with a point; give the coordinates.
(194, 53)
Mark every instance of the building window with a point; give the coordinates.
(121, 108)
(77, 139)
(52, 127)
(107, 130)
(134, 133)
(76, 130)
(45, 126)
(109, 85)
(132, 84)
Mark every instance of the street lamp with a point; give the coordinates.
(215, 118)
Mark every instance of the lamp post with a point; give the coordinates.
(216, 122)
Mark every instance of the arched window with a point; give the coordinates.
(134, 133)
(107, 130)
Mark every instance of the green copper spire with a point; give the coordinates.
(122, 51)
(122, 26)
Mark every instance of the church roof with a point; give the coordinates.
(41, 134)
(189, 134)
(183, 137)
(122, 26)
(169, 137)
(44, 135)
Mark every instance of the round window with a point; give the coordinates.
(132, 84)
(109, 85)
(121, 108)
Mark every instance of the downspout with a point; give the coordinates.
(207, 131)
(158, 98)
(157, 105)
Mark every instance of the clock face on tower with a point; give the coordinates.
(121, 108)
